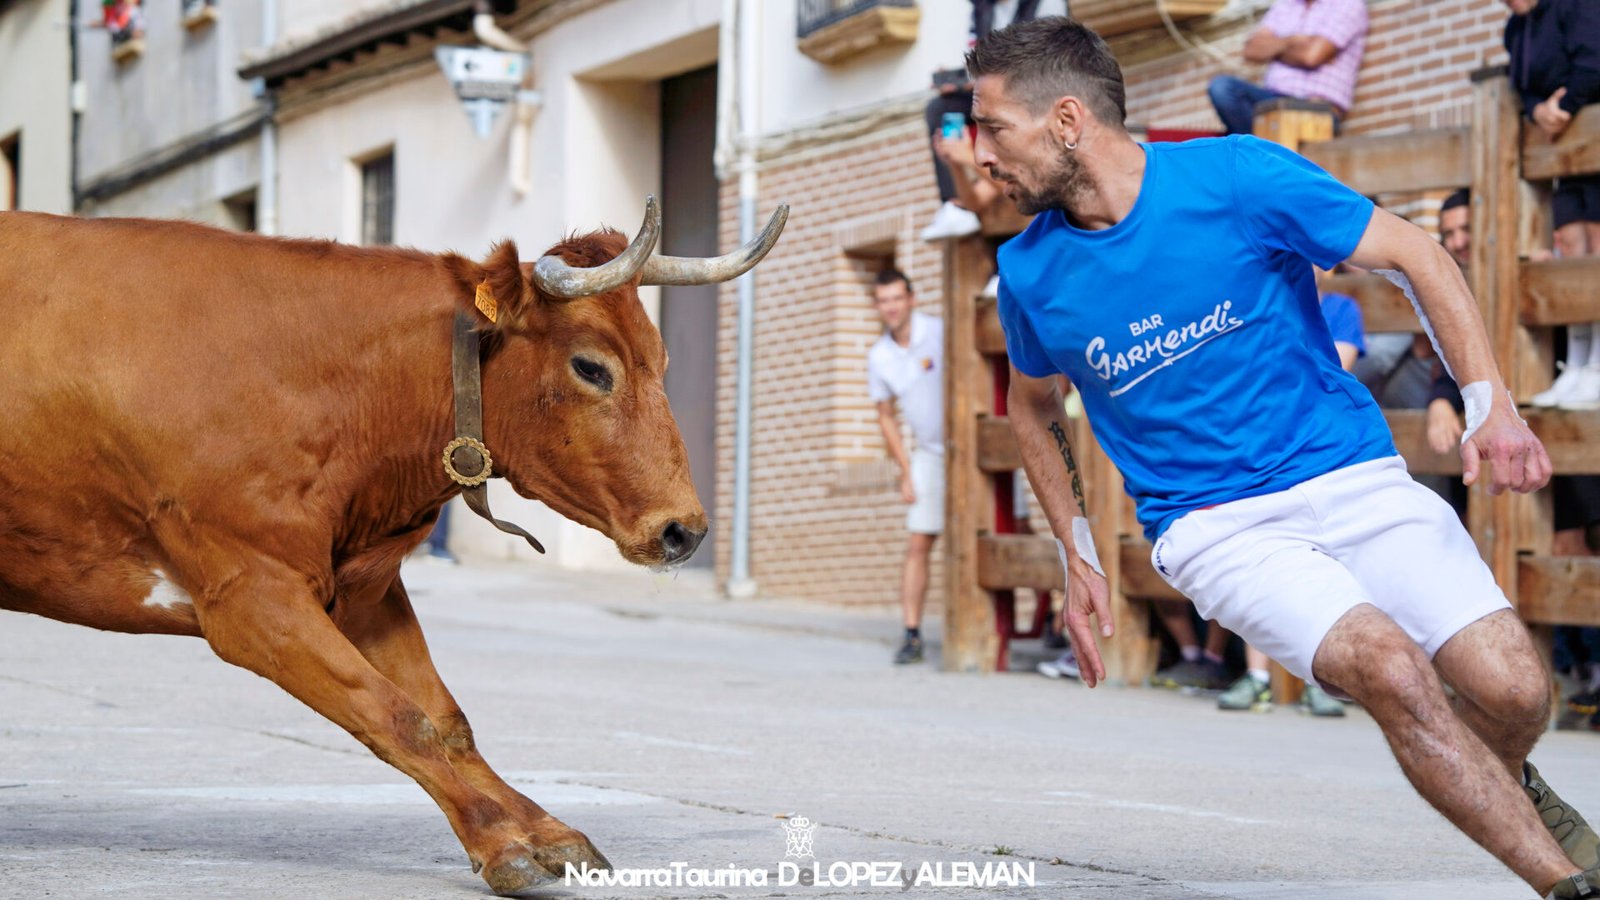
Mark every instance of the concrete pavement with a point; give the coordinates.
(671, 726)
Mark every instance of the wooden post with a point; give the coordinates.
(970, 643)
(1292, 122)
(1496, 192)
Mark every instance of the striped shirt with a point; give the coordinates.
(1344, 24)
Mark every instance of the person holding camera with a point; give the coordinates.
(949, 113)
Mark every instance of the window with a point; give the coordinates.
(11, 172)
(377, 200)
(240, 210)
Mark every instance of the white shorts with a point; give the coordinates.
(1281, 569)
(926, 515)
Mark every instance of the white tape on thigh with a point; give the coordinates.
(1399, 280)
(1477, 397)
(1083, 542)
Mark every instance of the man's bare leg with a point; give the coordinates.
(1369, 657)
(1502, 688)
(914, 578)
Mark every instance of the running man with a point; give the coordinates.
(1173, 284)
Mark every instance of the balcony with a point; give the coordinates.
(833, 30)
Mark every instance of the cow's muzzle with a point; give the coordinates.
(678, 542)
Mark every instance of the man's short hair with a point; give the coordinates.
(1046, 59)
(1461, 197)
(892, 275)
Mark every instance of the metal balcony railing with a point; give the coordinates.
(815, 15)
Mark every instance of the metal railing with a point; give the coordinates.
(815, 15)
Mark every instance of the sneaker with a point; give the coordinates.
(1064, 666)
(1583, 711)
(1583, 886)
(1203, 674)
(909, 652)
(991, 288)
(1585, 391)
(1576, 838)
(1247, 693)
(1315, 700)
(951, 221)
(1552, 395)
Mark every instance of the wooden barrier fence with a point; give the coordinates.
(1503, 163)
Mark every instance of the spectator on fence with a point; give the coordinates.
(1312, 49)
(1253, 690)
(1555, 67)
(906, 367)
(950, 113)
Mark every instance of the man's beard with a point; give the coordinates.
(1065, 181)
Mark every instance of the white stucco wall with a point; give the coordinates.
(35, 78)
(796, 89)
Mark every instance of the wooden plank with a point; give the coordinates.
(1008, 561)
(1576, 152)
(1571, 438)
(1414, 161)
(1559, 590)
(969, 620)
(1410, 430)
(1384, 307)
(997, 445)
(1292, 126)
(1139, 578)
(1113, 17)
(1496, 120)
(1561, 291)
(990, 338)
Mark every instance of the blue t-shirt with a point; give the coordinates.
(1192, 327)
(1343, 316)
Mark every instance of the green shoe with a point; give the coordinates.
(1576, 838)
(1583, 886)
(1315, 700)
(1247, 693)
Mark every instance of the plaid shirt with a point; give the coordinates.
(1344, 24)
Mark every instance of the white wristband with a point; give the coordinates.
(1477, 398)
(1083, 543)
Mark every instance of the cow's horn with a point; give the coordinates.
(554, 277)
(682, 270)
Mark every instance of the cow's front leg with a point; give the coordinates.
(384, 628)
(275, 627)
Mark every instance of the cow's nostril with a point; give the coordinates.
(678, 543)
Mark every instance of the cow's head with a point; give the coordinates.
(575, 410)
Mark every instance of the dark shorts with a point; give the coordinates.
(1576, 200)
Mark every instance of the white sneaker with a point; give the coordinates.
(1585, 391)
(1066, 666)
(951, 221)
(1551, 396)
(991, 290)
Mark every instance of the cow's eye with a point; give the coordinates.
(592, 372)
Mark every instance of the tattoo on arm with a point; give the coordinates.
(1072, 467)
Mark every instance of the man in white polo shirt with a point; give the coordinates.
(906, 365)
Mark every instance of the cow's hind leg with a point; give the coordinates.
(277, 628)
(386, 631)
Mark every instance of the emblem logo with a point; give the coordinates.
(797, 837)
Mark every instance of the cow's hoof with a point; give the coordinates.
(576, 851)
(516, 869)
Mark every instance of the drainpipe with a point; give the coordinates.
(267, 191)
(747, 95)
(528, 100)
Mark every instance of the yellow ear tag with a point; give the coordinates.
(485, 301)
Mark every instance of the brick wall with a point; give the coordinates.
(1414, 75)
(827, 522)
(826, 519)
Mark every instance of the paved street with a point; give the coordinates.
(674, 727)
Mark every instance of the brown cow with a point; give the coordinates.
(239, 438)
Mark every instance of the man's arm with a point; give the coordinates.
(1263, 46)
(1495, 432)
(1040, 425)
(1305, 51)
(897, 448)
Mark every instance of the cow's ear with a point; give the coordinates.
(493, 292)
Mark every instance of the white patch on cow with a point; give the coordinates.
(167, 595)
